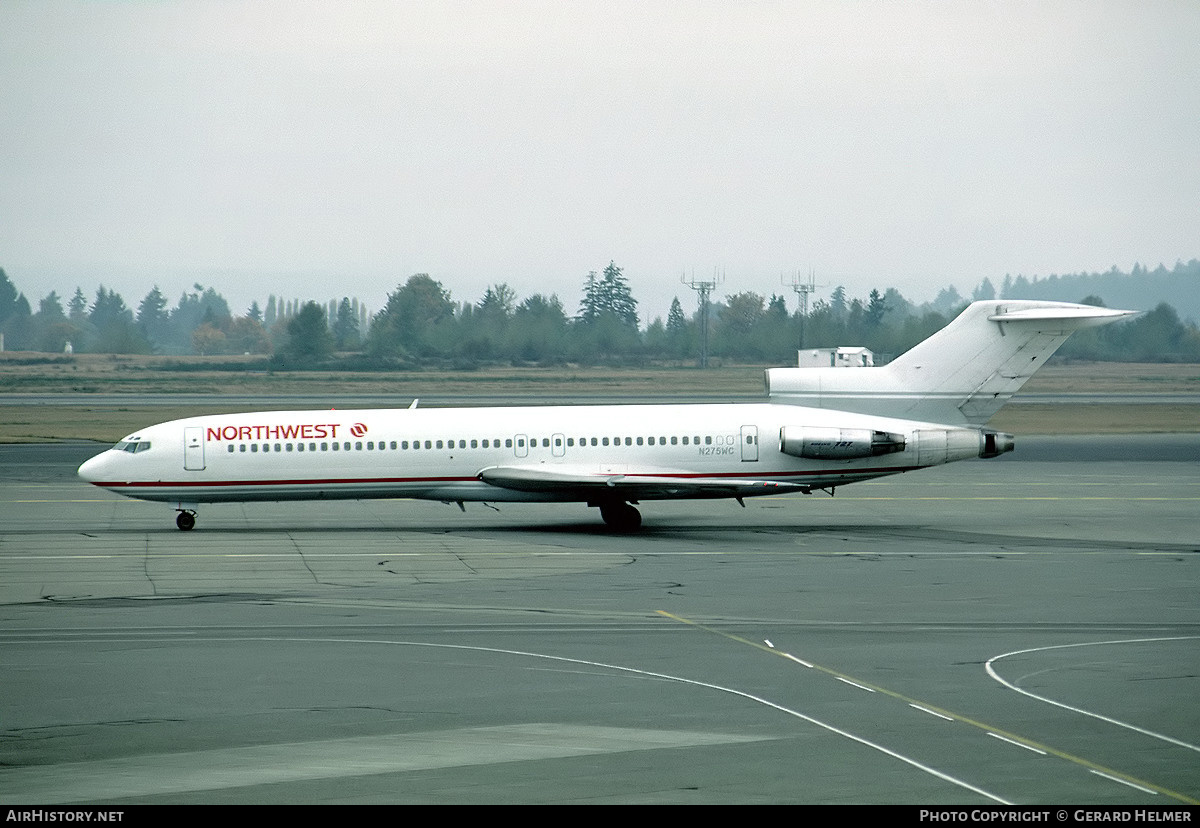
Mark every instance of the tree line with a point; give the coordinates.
(421, 324)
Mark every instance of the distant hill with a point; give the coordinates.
(1140, 289)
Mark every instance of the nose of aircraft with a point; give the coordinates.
(90, 470)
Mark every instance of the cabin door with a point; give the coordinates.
(521, 445)
(749, 443)
(193, 449)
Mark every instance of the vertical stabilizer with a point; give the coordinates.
(962, 374)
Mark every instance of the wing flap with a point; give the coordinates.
(598, 484)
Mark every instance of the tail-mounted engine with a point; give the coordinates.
(837, 443)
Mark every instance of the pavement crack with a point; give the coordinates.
(291, 538)
(146, 567)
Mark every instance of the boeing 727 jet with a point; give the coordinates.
(820, 428)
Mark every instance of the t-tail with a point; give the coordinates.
(961, 375)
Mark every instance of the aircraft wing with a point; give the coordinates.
(600, 484)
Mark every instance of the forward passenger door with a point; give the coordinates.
(193, 448)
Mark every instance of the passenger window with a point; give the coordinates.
(639, 441)
(242, 448)
(357, 446)
(545, 442)
(605, 441)
(708, 441)
(594, 441)
(231, 448)
(629, 441)
(278, 447)
(289, 446)
(254, 448)
(325, 446)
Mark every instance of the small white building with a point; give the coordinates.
(836, 358)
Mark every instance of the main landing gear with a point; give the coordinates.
(621, 516)
(186, 520)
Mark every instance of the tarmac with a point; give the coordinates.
(1024, 630)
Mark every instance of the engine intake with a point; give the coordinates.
(837, 443)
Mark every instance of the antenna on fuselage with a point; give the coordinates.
(414, 403)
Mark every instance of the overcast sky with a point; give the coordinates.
(324, 149)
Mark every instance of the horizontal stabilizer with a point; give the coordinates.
(963, 374)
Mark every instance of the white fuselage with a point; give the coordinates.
(822, 428)
(439, 454)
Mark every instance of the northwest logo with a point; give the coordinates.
(358, 429)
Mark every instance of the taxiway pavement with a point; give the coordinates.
(1021, 630)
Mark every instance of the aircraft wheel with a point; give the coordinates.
(186, 521)
(621, 516)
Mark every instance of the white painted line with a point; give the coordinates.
(854, 684)
(930, 712)
(797, 660)
(1015, 742)
(992, 672)
(634, 671)
(1125, 782)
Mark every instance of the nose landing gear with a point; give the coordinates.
(185, 520)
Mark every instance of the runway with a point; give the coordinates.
(1023, 630)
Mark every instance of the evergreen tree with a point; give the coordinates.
(345, 327)
(608, 297)
(676, 321)
(985, 292)
(8, 297)
(876, 308)
(153, 319)
(539, 329)
(616, 297)
(77, 307)
(309, 339)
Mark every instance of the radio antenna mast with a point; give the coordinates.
(704, 289)
(803, 290)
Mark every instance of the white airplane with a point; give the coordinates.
(820, 428)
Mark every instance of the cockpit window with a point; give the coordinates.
(132, 446)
